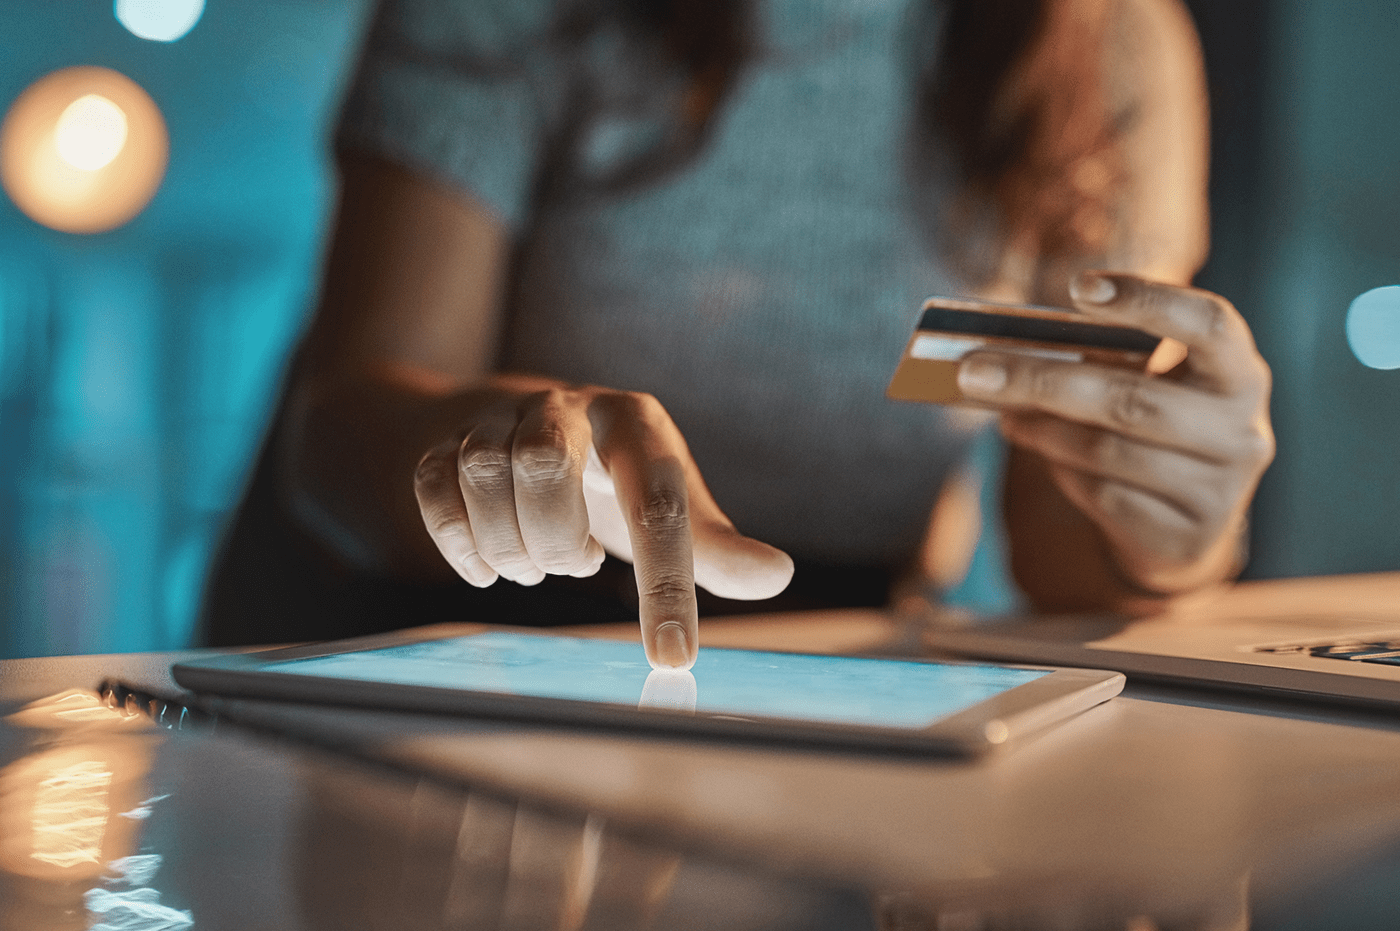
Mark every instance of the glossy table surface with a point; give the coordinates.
(1166, 808)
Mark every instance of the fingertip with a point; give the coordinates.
(474, 570)
(587, 571)
(482, 583)
(782, 571)
(671, 647)
(747, 570)
(530, 577)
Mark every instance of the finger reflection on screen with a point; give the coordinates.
(669, 689)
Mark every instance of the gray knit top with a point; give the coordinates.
(763, 291)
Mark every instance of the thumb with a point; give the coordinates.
(731, 565)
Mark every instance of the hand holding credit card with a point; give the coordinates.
(1147, 410)
(950, 328)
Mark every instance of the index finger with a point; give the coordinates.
(1220, 346)
(645, 455)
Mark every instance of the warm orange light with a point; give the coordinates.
(83, 150)
(70, 814)
(62, 805)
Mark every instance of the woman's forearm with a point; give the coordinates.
(347, 451)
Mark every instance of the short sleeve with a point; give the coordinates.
(458, 90)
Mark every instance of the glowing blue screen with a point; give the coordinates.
(879, 692)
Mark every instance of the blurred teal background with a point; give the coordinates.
(1329, 230)
(136, 366)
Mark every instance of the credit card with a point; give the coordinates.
(950, 328)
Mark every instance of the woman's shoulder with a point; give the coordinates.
(457, 91)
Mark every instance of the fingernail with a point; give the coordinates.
(979, 376)
(1092, 289)
(672, 647)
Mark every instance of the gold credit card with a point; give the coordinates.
(950, 328)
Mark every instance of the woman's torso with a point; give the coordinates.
(763, 292)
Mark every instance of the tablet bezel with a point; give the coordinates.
(1021, 710)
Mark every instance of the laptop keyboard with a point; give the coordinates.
(1386, 652)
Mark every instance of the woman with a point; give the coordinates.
(589, 252)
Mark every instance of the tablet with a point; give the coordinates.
(957, 708)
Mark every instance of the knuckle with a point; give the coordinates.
(1263, 377)
(1151, 301)
(663, 510)
(545, 462)
(1260, 447)
(1155, 304)
(647, 403)
(667, 586)
(552, 398)
(641, 406)
(548, 405)
(1211, 315)
(432, 471)
(1128, 404)
(484, 468)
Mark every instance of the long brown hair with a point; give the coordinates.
(1015, 99)
(1018, 95)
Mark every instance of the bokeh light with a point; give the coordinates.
(159, 20)
(91, 132)
(83, 150)
(1373, 328)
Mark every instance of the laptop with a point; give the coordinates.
(1333, 639)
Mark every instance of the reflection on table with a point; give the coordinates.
(108, 820)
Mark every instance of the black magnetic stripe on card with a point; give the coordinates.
(1037, 329)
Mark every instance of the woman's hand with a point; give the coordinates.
(524, 476)
(1164, 466)
(545, 478)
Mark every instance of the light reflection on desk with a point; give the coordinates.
(245, 833)
(71, 816)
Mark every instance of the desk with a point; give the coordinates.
(1163, 808)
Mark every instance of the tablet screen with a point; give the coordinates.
(843, 690)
